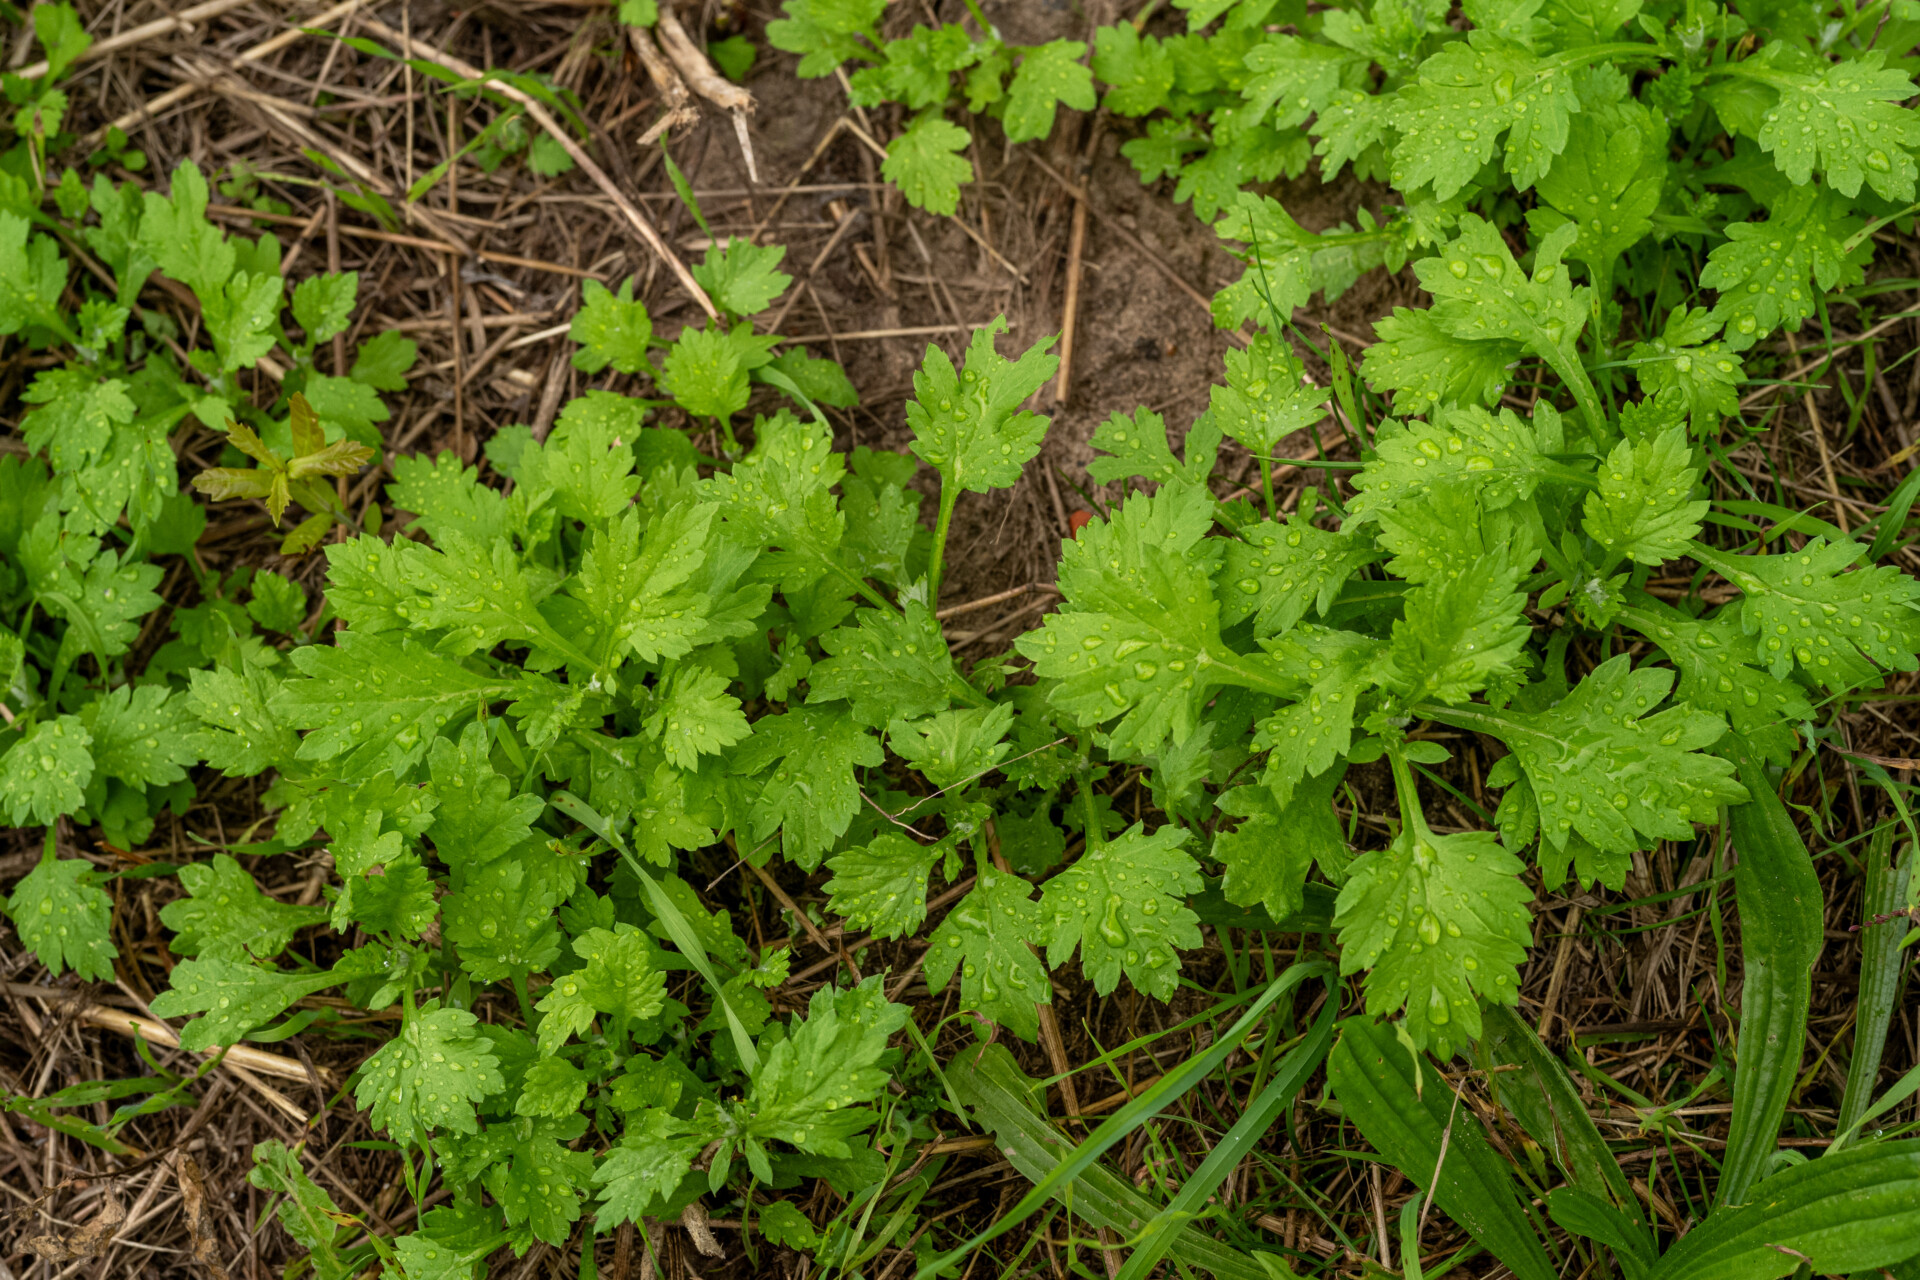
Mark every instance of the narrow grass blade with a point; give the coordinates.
(669, 916)
(1373, 1076)
(1410, 1240)
(1780, 937)
(1882, 966)
(1000, 1096)
(1598, 1220)
(1129, 1117)
(1893, 521)
(1540, 1094)
(1288, 1078)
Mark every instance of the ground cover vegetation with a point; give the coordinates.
(680, 623)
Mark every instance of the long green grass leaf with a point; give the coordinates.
(676, 925)
(1882, 965)
(1162, 1094)
(1600, 1221)
(1543, 1098)
(1413, 1128)
(1001, 1096)
(1780, 934)
(1288, 1077)
(1855, 1211)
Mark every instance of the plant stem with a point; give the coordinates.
(1096, 834)
(1266, 482)
(948, 497)
(1405, 790)
(526, 1002)
(1574, 374)
(1854, 240)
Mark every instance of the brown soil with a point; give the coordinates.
(1141, 340)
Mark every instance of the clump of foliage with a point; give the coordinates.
(510, 726)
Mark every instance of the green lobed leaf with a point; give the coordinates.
(1463, 99)
(501, 918)
(306, 1210)
(985, 937)
(810, 796)
(239, 735)
(696, 716)
(1279, 258)
(1459, 634)
(887, 665)
(1804, 608)
(704, 373)
(1122, 904)
(1266, 859)
(1137, 69)
(1417, 357)
(619, 978)
(1644, 508)
(429, 1076)
(954, 747)
(323, 304)
(1049, 75)
(824, 32)
(1137, 616)
(1503, 458)
(634, 586)
(1685, 362)
(65, 918)
(613, 329)
(919, 67)
(811, 1087)
(44, 773)
(1276, 572)
(377, 701)
(1609, 768)
(588, 461)
(741, 277)
(1441, 922)
(1267, 397)
(140, 736)
(1767, 272)
(1138, 443)
(1607, 182)
(648, 1164)
(1846, 121)
(538, 1181)
(1481, 294)
(882, 886)
(926, 163)
(1720, 673)
(234, 995)
(175, 233)
(225, 913)
(969, 425)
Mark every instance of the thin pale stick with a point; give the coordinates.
(181, 21)
(708, 83)
(180, 93)
(911, 331)
(1070, 310)
(539, 115)
(391, 237)
(846, 224)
